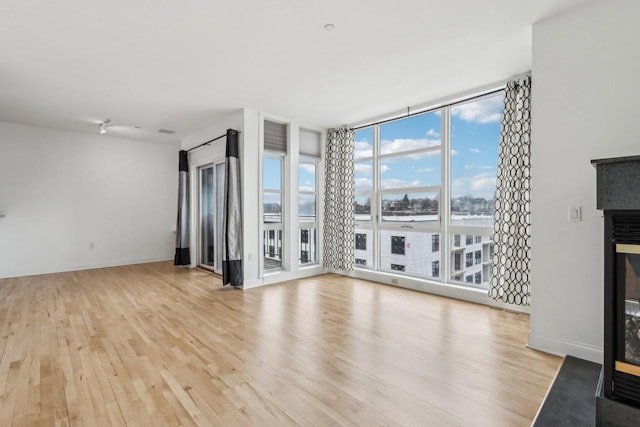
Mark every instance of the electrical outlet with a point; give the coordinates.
(575, 213)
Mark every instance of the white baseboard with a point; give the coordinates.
(464, 293)
(284, 276)
(255, 283)
(565, 347)
(78, 267)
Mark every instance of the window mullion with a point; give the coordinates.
(445, 197)
(409, 190)
(418, 151)
(376, 214)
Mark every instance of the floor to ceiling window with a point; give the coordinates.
(307, 210)
(273, 194)
(291, 207)
(272, 200)
(425, 191)
(309, 149)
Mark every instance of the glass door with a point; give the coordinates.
(206, 233)
(628, 316)
(220, 174)
(211, 202)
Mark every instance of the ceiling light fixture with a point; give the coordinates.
(103, 126)
(329, 27)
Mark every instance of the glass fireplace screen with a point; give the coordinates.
(629, 288)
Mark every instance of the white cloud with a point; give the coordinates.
(432, 133)
(467, 167)
(362, 149)
(488, 110)
(384, 168)
(422, 170)
(307, 186)
(308, 168)
(362, 168)
(480, 185)
(484, 184)
(397, 183)
(406, 144)
(454, 152)
(486, 167)
(270, 198)
(363, 183)
(474, 150)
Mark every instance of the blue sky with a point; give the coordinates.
(272, 172)
(475, 132)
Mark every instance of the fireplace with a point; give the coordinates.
(618, 195)
(622, 313)
(628, 285)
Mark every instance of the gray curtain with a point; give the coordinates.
(232, 216)
(339, 199)
(182, 256)
(510, 280)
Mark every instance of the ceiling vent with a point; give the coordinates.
(167, 131)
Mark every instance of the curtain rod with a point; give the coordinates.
(429, 109)
(210, 141)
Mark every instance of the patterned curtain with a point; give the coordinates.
(339, 200)
(232, 216)
(512, 230)
(182, 256)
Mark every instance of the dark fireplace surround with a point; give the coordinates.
(618, 196)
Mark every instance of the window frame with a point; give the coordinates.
(308, 225)
(379, 225)
(275, 226)
(444, 226)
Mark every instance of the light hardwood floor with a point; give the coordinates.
(156, 345)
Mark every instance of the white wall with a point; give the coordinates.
(585, 96)
(62, 190)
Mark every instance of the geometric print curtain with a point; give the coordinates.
(339, 223)
(510, 275)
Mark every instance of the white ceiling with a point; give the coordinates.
(180, 64)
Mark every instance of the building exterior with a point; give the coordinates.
(419, 254)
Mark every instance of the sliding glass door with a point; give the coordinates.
(211, 199)
(220, 174)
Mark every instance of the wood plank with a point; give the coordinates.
(153, 344)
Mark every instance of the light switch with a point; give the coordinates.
(575, 213)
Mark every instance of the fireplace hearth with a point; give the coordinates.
(618, 196)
